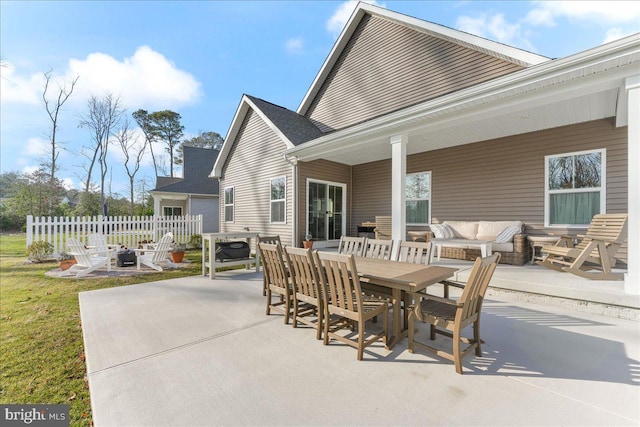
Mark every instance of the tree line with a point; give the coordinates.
(109, 126)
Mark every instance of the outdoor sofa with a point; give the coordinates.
(507, 238)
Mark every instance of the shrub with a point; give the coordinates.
(39, 251)
(195, 241)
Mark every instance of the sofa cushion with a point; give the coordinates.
(489, 230)
(464, 229)
(442, 231)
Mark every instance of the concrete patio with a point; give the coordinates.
(192, 351)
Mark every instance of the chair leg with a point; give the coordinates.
(457, 356)
(327, 318)
(268, 301)
(287, 305)
(296, 307)
(319, 325)
(432, 330)
(412, 332)
(360, 340)
(476, 337)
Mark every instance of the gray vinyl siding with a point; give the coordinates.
(209, 209)
(387, 66)
(321, 170)
(500, 179)
(255, 158)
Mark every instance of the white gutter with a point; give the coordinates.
(602, 58)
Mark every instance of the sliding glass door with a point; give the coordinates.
(326, 217)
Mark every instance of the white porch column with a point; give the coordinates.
(632, 278)
(156, 205)
(398, 184)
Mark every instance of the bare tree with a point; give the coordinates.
(53, 108)
(103, 118)
(144, 121)
(133, 152)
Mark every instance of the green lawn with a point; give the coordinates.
(41, 347)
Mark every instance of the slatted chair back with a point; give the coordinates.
(272, 240)
(303, 271)
(162, 248)
(98, 242)
(474, 290)
(352, 245)
(612, 228)
(414, 252)
(378, 249)
(80, 253)
(339, 276)
(383, 227)
(274, 268)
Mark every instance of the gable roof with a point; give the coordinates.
(197, 164)
(488, 47)
(292, 128)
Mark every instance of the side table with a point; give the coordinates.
(538, 242)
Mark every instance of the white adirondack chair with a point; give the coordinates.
(86, 260)
(98, 244)
(159, 254)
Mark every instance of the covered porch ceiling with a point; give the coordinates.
(589, 86)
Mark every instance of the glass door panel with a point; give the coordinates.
(326, 211)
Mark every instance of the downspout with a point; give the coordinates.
(293, 161)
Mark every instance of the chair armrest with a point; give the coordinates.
(146, 250)
(454, 284)
(520, 243)
(448, 301)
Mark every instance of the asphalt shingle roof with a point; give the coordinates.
(198, 163)
(297, 128)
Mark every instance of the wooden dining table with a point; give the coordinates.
(399, 277)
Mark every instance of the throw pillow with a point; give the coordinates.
(442, 231)
(506, 235)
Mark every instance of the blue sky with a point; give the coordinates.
(198, 58)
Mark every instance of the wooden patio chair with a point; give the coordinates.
(346, 302)
(272, 240)
(352, 245)
(87, 260)
(414, 252)
(278, 280)
(378, 249)
(596, 250)
(308, 301)
(449, 317)
(157, 254)
(383, 227)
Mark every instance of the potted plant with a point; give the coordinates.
(307, 242)
(66, 260)
(177, 252)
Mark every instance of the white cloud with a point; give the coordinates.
(16, 88)
(36, 147)
(611, 12)
(494, 27)
(145, 80)
(68, 183)
(341, 16)
(30, 169)
(294, 46)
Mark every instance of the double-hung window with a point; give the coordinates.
(172, 211)
(278, 197)
(418, 198)
(228, 204)
(574, 187)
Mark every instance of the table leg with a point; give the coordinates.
(396, 322)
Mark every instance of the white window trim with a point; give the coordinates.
(547, 192)
(224, 200)
(429, 199)
(172, 208)
(271, 201)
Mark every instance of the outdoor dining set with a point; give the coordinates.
(338, 293)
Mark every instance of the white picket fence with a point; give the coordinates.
(126, 231)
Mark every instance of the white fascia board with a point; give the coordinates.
(486, 46)
(612, 56)
(503, 51)
(180, 196)
(338, 46)
(238, 119)
(269, 123)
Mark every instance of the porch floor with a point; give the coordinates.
(194, 351)
(537, 284)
